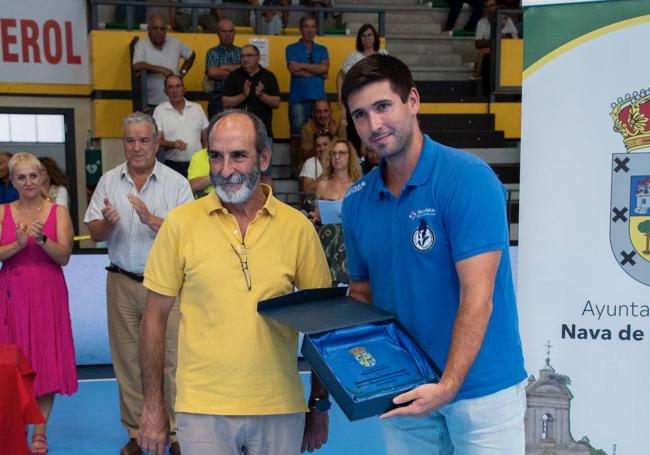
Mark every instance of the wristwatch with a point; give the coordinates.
(320, 404)
(42, 240)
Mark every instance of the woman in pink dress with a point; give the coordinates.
(35, 241)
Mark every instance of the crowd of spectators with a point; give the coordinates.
(234, 78)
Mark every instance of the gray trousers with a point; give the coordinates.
(276, 434)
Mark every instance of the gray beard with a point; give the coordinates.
(250, 182)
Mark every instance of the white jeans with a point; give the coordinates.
(489, 425)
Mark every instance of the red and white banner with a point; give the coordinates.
(44, 42)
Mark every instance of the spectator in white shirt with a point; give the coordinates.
(159, 55)
(483, 40)
(182, 125)
(312, 169)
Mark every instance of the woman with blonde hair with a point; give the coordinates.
(340, 170)
(35, 242)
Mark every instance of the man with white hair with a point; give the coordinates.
(126, 211)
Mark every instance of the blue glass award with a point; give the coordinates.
(370, 360)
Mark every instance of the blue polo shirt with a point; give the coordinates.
(306, 88)
(451, 208)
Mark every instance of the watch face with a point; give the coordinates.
(322, 404)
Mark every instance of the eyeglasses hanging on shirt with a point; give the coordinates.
(242, 253)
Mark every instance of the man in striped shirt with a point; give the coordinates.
(220, 61)
(126, 211)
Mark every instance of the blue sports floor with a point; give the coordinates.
(88, 423)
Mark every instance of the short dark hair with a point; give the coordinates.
(255, 48)
(321, 133)
(364, 28)
(261, 138)
(306, 17)
(319, 100)
(377, 68)
(169, 76)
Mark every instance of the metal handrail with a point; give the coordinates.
(138, 83)
(319, 12)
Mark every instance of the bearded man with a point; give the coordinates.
(237, 381)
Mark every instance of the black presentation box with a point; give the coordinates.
(317, 313)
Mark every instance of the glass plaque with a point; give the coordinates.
(370, 360)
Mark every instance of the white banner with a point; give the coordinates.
(44, 42)
(584, 259)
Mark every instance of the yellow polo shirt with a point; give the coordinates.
(231, 360)
(200, 167)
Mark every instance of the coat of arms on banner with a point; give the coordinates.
(629, 231)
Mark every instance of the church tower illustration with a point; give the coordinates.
(547, 421)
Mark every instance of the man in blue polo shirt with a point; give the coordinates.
(427, 238)
(308, 64)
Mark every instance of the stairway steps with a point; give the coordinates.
(468, 139)
(507, 172)
(456, 122)
(382, 3)
(450, 73)
(413, 46)
(431, 59)
(457, 89)
(400, 29)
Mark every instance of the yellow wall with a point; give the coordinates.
(507, 119)
(108, 115)
(512, 62)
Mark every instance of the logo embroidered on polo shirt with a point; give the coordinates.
(423, 238)
(358, 187)
(422, 212)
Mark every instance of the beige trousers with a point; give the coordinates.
(126, 299)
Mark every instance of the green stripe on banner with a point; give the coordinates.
(550, 27)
